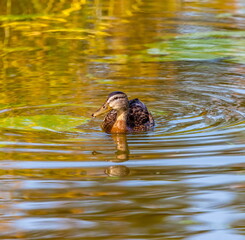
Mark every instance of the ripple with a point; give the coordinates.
(204, 108)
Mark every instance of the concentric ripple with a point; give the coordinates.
(194, 119)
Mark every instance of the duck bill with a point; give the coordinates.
(105, 108)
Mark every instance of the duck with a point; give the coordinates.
(124, 115)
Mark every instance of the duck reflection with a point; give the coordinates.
(117, 171)
(122, 150)
(121, 154)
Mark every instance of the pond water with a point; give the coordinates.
(63, 178)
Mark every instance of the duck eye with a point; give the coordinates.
(116, 98)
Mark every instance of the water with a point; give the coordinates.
(63, 178)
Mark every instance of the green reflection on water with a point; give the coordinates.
(201, 46)
(43, 122)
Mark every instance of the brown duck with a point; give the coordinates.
(124, 115)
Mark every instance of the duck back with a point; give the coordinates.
(139, 118)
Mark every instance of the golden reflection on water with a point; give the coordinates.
(62, 178)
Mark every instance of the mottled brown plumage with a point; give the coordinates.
(125, 116)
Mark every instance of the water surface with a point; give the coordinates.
(63, 178)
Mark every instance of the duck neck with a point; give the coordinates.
(120, 126)
(122, 114)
